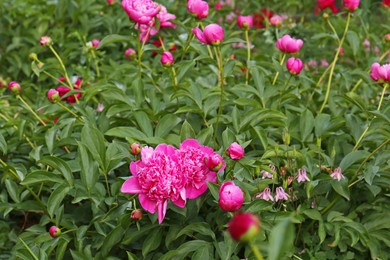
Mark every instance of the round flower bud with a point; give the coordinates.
(95, 43)
(53, 95)
(244, 226)
(136, 214)
(54, 232)
(167, 59)
(135, 148)
(14, 87)
(130, 53)
(387, 37)
(214, 162)
(33, 56)
(294, 65)
(231, 197)
(235, 151)
(45, 41)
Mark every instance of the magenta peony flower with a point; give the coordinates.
(244, 226)
(95, 43)
(231, 197)
(192, 157)
(351, 5)
(386, 3)
(141, 11)
(245, 22)
(337, 174)
(53, 95)
(380, 73)
(265, 195)
(130, 53)
(198, 8)
(323, 4)
(294, 65)
(302, 176)
(164, 18)
(14, 87)
(156, 180)
(212, 34)
(281, 194)
(235, 151)
(167, 59)
(276, 20)
(54, 232)
(215, 162)
(45, 40)
(288, 44)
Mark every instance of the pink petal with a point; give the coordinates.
(131, 186)
(162, 209)
(199, 34)
(147, 204)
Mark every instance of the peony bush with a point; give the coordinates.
(194, 129)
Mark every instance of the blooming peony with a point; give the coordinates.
(198, 8)
(141, 11)
(231, 197)
(212, 34)
(380, 73)
(289, 44)
(156, 180)
(294, 65)
(245, 22)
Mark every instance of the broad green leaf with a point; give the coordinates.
(113, 238)
(13, 190)
(144, 123)
(166, 124)
(341, 187)
(60, 165)
(93, 139)
(111, 39)
(55, 199)
(202, 253)
(354, 41)
(214, 190)
(186, 131)
(41, 177)
(198, 227)
(88, 168)
(50, 138)
(313, 214)
(321, 124)
(151, 242)
(306, 124)
(352, 158)
(126, 132)
(3, 144)
(281, 239)
(183, 250)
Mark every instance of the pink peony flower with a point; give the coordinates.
(235, 151)
(212, 34)
(281, 194)
(288, 44)
(141, 11)
(245, 22)
(323, 4)
(244, 226)
(156, 180)
(95, 43)
(45, 40)
(14, 87)
(351, 5)
(302, 177)
(386, 3)
(276, 20)
(53, 95)
(366, 43)
(380, 73)
(192, 157)
(165, 18)
(54, 232)
(167, 59)
(198, 8)
(337, 174)
(294, 65)
(265, 195)
(312, 63)
(231, 197)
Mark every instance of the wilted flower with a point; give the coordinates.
(337, 174)
(302, 176)
(212, 34)
(54, 232)
(235, 151)
(294, 65)
(245, 22)
(265, 195)
(141, 11)
(167, 59)
(231, 197)
(244, 226)
(281, 194)
(198, 8)
(288, 44)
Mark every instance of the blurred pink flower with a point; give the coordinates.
(198, 8)
(302, 176)
(244, 226)
(288, 44)
(351, 5)
(324, 63)
(281, 194)
(380, 73)
(337, 174)
(267, 174)
(366, 43)
(265, 195)
(167, 59)
(230, 17)
(130, 53)
(212, 34)
(386, 3)
(235, 151)
(100, 108)
(245, 22)
(156, 180)
(323, 4)
(53, 95)
(231, 197)
(294, 65)
(45, 40)
(312, 63)
(14, 87)
(141, 11)
(111, 2)
(276, 20)
(95, 43)
(165, 18)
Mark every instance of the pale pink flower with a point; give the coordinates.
(230, 17)
(212, 34)
(267, 174)
(324, 63)
(100, 108)
(265, 195)
(366, 43)
(231, 197)
(288, 44)
(245, 22)
(337, 174)
(45, 40)
(281, 194)
(302, 177)
(141, 11)
(53, 95)
(156, 180)
(192, 159)
(198, 8)
(312, 63)
(276, 20)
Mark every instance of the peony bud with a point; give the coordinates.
(198, 8)
(135, 148)
(294, 65)
(387, 37)
(167, 59)
(54, 232)
(212, 34)
(136, 214)
(130, 53)
(3, 83)
(95, 43)
(111, 2)
(33, 56)
(214, 162)
(53, 95)
(244, 226)
(231, 197)
(351, 5)
(235, 151)
(45, 41)
(14, 87)
(245, 22)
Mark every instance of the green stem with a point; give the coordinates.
(382, 96)
(96, 63)
(31, 110)
(29, 249)
(208, 46)
(189, 40)
(248, 46)
(24, 135)
(70, 111)
(334, 63)
(256, 251)
(220, 83)
(277, 73)
(333, 30)
(62, 66)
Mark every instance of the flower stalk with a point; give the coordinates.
(248, 46)
(277, 73)
(31, 110)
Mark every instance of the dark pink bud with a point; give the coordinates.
(54, 232)
(95, 43)
(351, 5)
(235, 151)
(198, 8)
(244, 226)
(214, 162)
(167, 59)
(294, 65)
(212, 34)
(130, 53)
(14, 87)
(53, 95)
(288, 44)
(231, 197)
(111, 2)
(136, 214)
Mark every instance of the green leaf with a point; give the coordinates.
(111, 39)
(144, 123)
(13, 191)
(351, 158)
(198, 227)
(93, 139)
(354, 41)
(126, 132)
(3, 144)
(55, 199)
(61, 248)
(113, 238)
(214, 190)
(60, 165)
(41, 177)
(341, 187)
(50, 139)
(184, 249)
(202, 253)
(321, 124)
(313, 214)
(186, 131)
(151, 242)
(281, 239)
(306, 124)
(166, 124)
(88, 167)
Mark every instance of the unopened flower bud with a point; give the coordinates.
(14, 87)
(45, 41)
(235, 151)
(214, 162)
(53, 95)
(135, 148)
(54, 232)
(136, 214)
(231, 197)
(167, 59)
(33, 56)
(130, 53)
(244, 226)
(387, 37)
(325, 16)
(95, 43)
